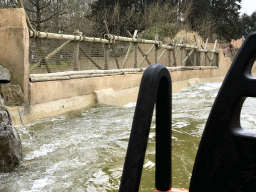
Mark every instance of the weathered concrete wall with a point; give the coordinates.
(54, 97)
(41, 92)
(50, 98)
(14, 47)
(54, 107)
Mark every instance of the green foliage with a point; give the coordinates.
(226, 13)
(247, 24)
(126, 15)
(120, 50)
(162, 29)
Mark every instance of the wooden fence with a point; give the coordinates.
(174, 54)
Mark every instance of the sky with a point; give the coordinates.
(248, 6)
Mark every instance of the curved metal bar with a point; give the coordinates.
(155, 87)
(226, 158)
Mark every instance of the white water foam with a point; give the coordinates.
(149, 164)
(130, 104)
(44, 150)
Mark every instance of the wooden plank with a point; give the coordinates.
(105, 56)
(140, 50)
(204, 52)
(169, 58)
(214, 48)
(188, 56)
(45, 35)
(90, 59)
(174, 58)
(146, 56)
(161, 55)
(52, 53)
(42, 55)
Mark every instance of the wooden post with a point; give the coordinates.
(117, 63)
(112, 46)
(52, 53)
(106, 49)
(181, 42)
(44, 61)
(135, 50)
(213, 53)
(204, 53)
(36, 39)
(27, 18)
(140, 50)
(145, 56)
(174, 58)
(105, 56)
(169, 58)
(127, 54)
(195, 57)
(135, 55)
(161, 55)
(188, 56)
(130, 47)
(181, 55)
(156, 48)
(76, 51)
(88, 56)
(195, 54)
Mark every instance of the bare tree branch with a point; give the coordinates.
(31, 1)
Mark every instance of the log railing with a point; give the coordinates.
(170, 51)
(110, 39)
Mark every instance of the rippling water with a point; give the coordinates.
(84, 150)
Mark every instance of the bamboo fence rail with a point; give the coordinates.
(108, 42)
(135, 42)
(99, 73)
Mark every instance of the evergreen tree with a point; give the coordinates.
(121, 15)
(225, 12)
(247, 24)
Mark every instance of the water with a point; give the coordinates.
(85, 150)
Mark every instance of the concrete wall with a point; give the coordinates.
(50, 98)
(14, 47)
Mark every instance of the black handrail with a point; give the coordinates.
(226, 158)
(155, 87)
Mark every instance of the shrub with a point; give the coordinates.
(162, 29)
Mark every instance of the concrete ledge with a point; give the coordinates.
(126, 96)
(106, 96)
(49, 109)
(123, 97)
(194, 81)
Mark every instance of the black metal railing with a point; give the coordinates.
(226, 157)
(155, 87)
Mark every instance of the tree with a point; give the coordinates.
(7, 4)
(121, 15)
(42, 11)
(247, 24)
(225, 12)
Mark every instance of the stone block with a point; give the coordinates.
(12, 95)
(194, 81)
(10, 143)
(5, 74)
(106, 96)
